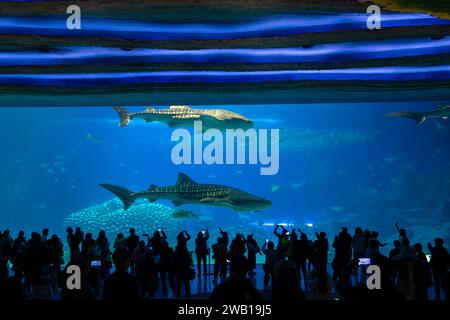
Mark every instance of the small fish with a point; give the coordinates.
(239, 172)
(212, 176)
(337, 208)
(298, 185)
(275, 187)
(90, 137)
(390, 159)
(50, 171)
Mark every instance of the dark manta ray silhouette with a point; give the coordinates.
(442, 112)
(186, 191)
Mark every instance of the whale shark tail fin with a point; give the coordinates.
(124, 116)
(417, 116)
(125, 195)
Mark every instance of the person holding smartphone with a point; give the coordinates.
(201, 251)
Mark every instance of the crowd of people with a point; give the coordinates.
(295, 266)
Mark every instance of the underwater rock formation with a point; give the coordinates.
(145, 217)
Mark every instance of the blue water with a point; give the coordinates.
(340, 164)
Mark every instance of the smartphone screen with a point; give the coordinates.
(364, 261)
(96, 264)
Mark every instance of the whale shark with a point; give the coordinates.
(187, 191)
(184, 116)
(441, 112)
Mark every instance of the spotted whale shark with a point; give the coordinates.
(184, 116)
(441, 112)
(187, 191)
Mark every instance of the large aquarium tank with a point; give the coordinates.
(355, 99)
(340, 164)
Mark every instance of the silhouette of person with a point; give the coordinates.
(301, 254)
(158, 237)
(72, 242)
(283, 241)
(225, 237)
(105, 255)
(131, 243)
(220, 259)
(201, 251)
(421, 274)
(269, 251)
(18, 252)
(252, 249)
(146, 271)
(405, 260)
(237, 247)
(236, 287)
(121, 285)
(182, 263)
(120, 241)
(6, 244)
(321, 251)
(439, 263)
(343, 252)
(44, 235)
(286, 285)
(166, 267)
